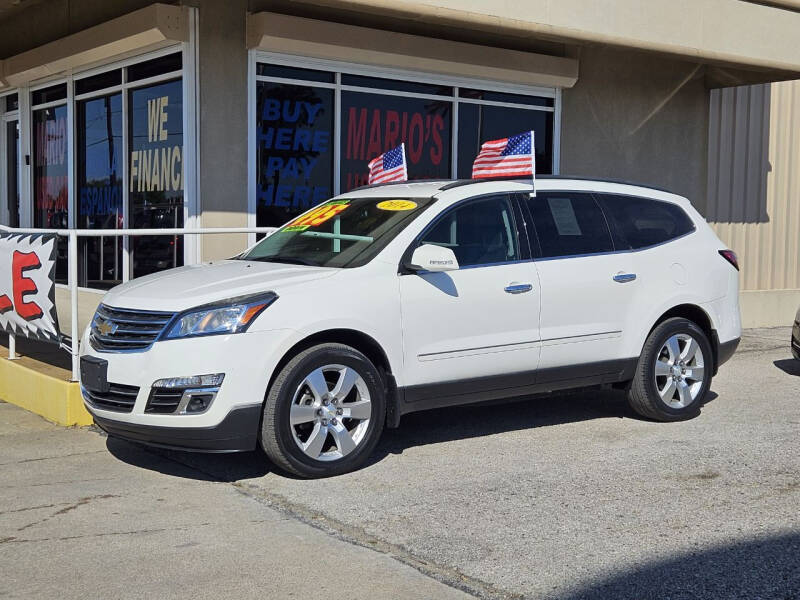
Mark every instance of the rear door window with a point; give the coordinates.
(569, 224)
(641, 222)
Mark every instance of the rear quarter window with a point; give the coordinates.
(641, 222)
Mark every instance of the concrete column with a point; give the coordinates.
(222, 135)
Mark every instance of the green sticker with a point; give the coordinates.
(295, 228)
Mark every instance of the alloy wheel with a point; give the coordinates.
(330, 412)
(679, 371)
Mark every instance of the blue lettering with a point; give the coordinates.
(321, 139)
(282, 195)
(291, 117)
(312, 110)
(265, 137)
(301, 197)
(271, 110)
(320, 193)
(274, 165)
(284, 139)
(302, 140)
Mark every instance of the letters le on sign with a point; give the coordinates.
(27, 290)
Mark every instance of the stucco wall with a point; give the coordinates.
(638, 117)
(222, 80)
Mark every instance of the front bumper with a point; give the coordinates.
(796, 340)
(238, 432)
(231, 422)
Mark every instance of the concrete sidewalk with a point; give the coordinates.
(82, 516)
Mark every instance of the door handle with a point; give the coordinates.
(518, 288)
(624, 277)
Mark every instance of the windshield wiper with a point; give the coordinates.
(291, 260)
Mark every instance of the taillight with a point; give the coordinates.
(730, 256)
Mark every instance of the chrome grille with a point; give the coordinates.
(118, 398)
(120, 329)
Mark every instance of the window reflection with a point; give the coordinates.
(50, 181)
(156, 174)
(99, 198)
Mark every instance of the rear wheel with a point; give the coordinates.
(674, 372)
(324, 412)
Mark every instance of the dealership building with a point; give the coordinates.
(244, 113)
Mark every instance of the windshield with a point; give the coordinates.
(348, 232)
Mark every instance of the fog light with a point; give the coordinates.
(195, 381)
(198, 403)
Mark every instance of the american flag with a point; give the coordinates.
(511, 156)
(389, 166)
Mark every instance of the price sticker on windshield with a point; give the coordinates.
(397, 205)
(318, 216)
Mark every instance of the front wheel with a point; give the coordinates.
(674, 372)
(324, 412)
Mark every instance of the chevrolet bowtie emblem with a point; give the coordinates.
(106, 327)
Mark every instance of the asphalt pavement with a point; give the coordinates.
(568, 496)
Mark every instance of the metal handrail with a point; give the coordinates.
(72, 265)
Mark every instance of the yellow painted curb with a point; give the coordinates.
(56, 400)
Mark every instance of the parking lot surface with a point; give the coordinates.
(569, 496)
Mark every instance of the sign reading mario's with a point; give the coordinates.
(27, 295)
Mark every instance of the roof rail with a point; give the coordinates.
(461, 182)
(449, 185)
(387, 183)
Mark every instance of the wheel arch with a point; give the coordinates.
(698, 316)
(360, 341)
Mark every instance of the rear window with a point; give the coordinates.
(640, 222)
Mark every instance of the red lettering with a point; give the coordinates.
(375, 135)
(24, 286)
(436, 150)
(5, 304)
(392, 130)
(415, 138)
(356, 134)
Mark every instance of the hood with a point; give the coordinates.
(186, 287)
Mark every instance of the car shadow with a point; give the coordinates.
(789, 366)
(416, 429)
(765, 567)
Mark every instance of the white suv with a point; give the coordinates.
(400, 298)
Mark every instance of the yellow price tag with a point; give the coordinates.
(397, 205)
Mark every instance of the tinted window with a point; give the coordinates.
(294, 150)
(639, 222)
(479, 232)
(568, 224)
(478, 124)
(375, 123)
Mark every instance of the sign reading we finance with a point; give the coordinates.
(157, 166)
(27, 290)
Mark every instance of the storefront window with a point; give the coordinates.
(363, 116)
(99, 198)
(50, 177)
(156, 174)
(374, 123)
(294, 149)
(478, 123)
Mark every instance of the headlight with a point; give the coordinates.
(232, 316)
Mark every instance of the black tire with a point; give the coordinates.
(277, 438)
(643, 394)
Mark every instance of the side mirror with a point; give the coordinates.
(429, 257)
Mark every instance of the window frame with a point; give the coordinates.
(6, 117)
(186, 75)
(339, 68)
(520, 233)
